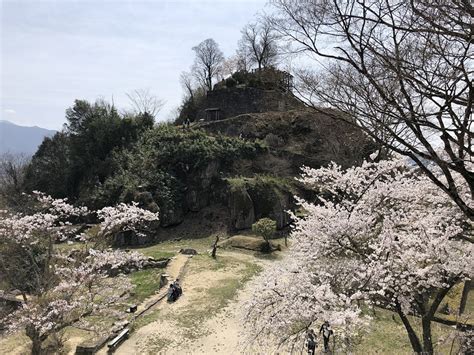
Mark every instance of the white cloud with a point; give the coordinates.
(10, 111)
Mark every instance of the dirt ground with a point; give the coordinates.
(182, 327)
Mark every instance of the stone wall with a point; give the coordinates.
(239, 100)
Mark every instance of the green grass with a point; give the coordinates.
(156, 251)
(470, 304)
(146, 283)
(13, 343)
(387, 335)
(171, 247)
(453, 300)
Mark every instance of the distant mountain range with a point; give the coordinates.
(21, 139)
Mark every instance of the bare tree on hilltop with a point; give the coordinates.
(259, 44)
(144, 102)
(207, 62)
(402, 70)
(186, 80)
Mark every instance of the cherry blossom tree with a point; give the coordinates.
(120, 218)
(380, 234)
(62, 287)
(400, 70)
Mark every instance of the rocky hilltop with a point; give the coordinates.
(294, 138)
(234, 194)
(265, 186)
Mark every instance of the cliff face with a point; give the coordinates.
(294, 138)
(265, 186)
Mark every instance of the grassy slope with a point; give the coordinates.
(387, 335)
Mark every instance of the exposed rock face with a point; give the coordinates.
(242, 213)
(292, 139)
(172, 215)
(295, 138)
(200, 187)
(145, 200)
(280, 207)
(258, 199)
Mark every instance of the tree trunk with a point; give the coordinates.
(468, 285)
(36, 340)
(209, 82)
(428, 316)
(36, 346)
(214, 247)
(427, 340)
(414, 341)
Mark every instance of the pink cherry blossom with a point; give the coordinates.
(381, 233)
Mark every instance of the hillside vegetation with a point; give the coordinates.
(104, 157)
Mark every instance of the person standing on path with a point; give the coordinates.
(311, 342)
(327, 332)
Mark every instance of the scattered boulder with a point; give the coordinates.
(133, 266)
(153, 263)
(188, 251)
(250, 243)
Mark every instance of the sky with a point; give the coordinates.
(56, 51)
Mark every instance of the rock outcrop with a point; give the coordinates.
(253, 198)
(295, 138)
(263, 186)
(242, 213)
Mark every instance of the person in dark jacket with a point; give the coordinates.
(177, 288)
(174, 291)
(311, 342)
(327, 332)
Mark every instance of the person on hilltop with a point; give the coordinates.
(327, 332)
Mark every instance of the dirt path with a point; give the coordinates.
(175, 269)
(195, 324)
